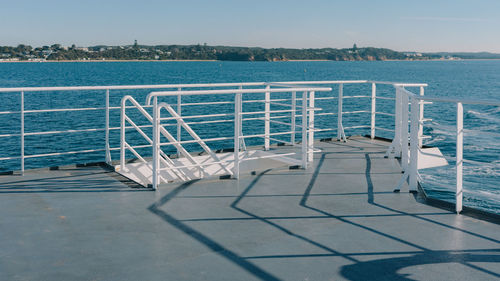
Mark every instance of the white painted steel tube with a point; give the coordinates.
(304, 130)
(267, 115)
(459, 159)
(108, 152)
(421, 117)
(404, 131)
(179, 111)
(339, 113)
(242, 141)
(396, 142)
(22, 133)
(374, 101)
(294, 108)
(122, 134)
(128, 87)
(310, 129)
(156, 140)
(414, 144)
(232, 92)
(237, 131)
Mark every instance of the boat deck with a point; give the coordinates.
(338, 220)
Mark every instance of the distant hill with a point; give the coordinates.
(57, 52)
(200, 52)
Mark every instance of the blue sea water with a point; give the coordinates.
(461, 79)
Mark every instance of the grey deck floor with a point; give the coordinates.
(338, 220)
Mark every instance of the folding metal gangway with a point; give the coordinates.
(159, 167)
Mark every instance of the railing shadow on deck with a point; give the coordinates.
(378, 269)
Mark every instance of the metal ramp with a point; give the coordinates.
(142, 173)
(158, 167)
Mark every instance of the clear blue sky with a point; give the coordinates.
(419, 25)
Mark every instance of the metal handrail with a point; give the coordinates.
(108, 108)
(416, 121)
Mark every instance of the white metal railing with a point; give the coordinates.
(307, 125)
(415, 119)
(118, 90)
(292, 107)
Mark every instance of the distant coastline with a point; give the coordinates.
(198, 52)
(172, 53)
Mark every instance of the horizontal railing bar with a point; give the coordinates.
(384, 113)
(206, 103)
(351, 97)
(384, 129)
(10, 158)
(9, 112)
(128, 87)
(279, 122)
(325, 113)
(207, 122)
(321, 82)
(64, 109)
(262, 118)
(325, 130)
(195, 141)
(263, 101)
(357, 127)
(264, 135)
(399, 84)
(233, 92)
(284, 104)
(112, 128)
(245, 101)
(146, 106)
(63, 153)
(463, 101)
(60, 132)
(10, 135)
(201, 85)
(196, 116)
(355, 112)
(384, 98)
(262, 112)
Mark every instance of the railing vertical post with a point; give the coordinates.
(310, 128)
(404, 131)
(267, 117)
(395, 147)
(22, 133)
(237, 131)
(340, 129)
(304, 130)
(179, 111)
(108, 151)
(414, 147)
(421, 117)
(294, 108)
(242, 141)
(374, 100)
(122, 135)
(156, 130)
(459, 160)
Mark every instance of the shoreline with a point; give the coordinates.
(312, 60)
